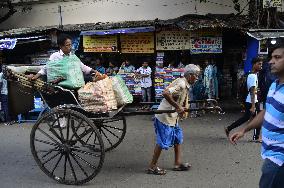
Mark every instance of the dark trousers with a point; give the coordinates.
(146, 94)
(4, 107)
(247, 116)
(272, 175)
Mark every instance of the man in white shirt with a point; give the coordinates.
(65, 43)
(4, 97)
(251, 103)
(146, 81)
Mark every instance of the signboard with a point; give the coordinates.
(173, 40)
(8, 43)
(272, 3)
(137, 43)
(206, 45)
(95, 43)
(262, 47)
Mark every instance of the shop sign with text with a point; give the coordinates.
(95, 43)
(137, 43)
(173, 40)
(206, 45)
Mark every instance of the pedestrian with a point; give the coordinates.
(167, 129)
(4, 97)
(208, 80)
(251, 103)
(271, 119)
(198, 91)
(266, 78)
(215, 80)
(144, 73)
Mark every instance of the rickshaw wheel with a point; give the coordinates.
(112, 131)
(67, 146)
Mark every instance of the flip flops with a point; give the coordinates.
(156, 171)
(182, 167)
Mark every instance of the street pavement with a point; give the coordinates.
(215, 162)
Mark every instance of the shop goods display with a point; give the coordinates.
(132, 83)
(98, 96)
(67, 68)
(163, 78)
(122, 94)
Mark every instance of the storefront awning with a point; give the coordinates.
(266, 34)
(119, 31)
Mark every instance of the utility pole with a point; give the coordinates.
(60, 16)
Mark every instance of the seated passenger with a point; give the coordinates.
(62, 56)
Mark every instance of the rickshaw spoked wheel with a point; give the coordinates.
(67, 146)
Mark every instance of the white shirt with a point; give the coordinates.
(4, 88)
(60, 55)
(145, 81)
(252, 80)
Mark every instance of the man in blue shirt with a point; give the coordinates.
(272, 121)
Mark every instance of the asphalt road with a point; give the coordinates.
(215, 163)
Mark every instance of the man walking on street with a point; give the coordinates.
(272, 121)
(167, 129)
(251, 103)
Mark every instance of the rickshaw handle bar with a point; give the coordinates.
(152, 112)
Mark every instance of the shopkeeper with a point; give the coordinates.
(126, 67)
(146, 82)
(112, 69)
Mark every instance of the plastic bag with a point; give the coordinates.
(98, 96)
(122, 94)
(69, 69)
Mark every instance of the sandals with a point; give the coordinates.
(182, 167)
(159, 171)
(156, 171)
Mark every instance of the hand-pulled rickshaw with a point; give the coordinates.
(69, 143)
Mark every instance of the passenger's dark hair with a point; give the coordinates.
(62, 38)
(256, 60)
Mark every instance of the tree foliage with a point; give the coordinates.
(11, 10)
(260, 17)
(8, 8)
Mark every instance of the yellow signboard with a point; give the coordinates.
(173, 40)
(95, 43)
(137, 43)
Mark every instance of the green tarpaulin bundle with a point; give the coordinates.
(68, 68)
(122, 94)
